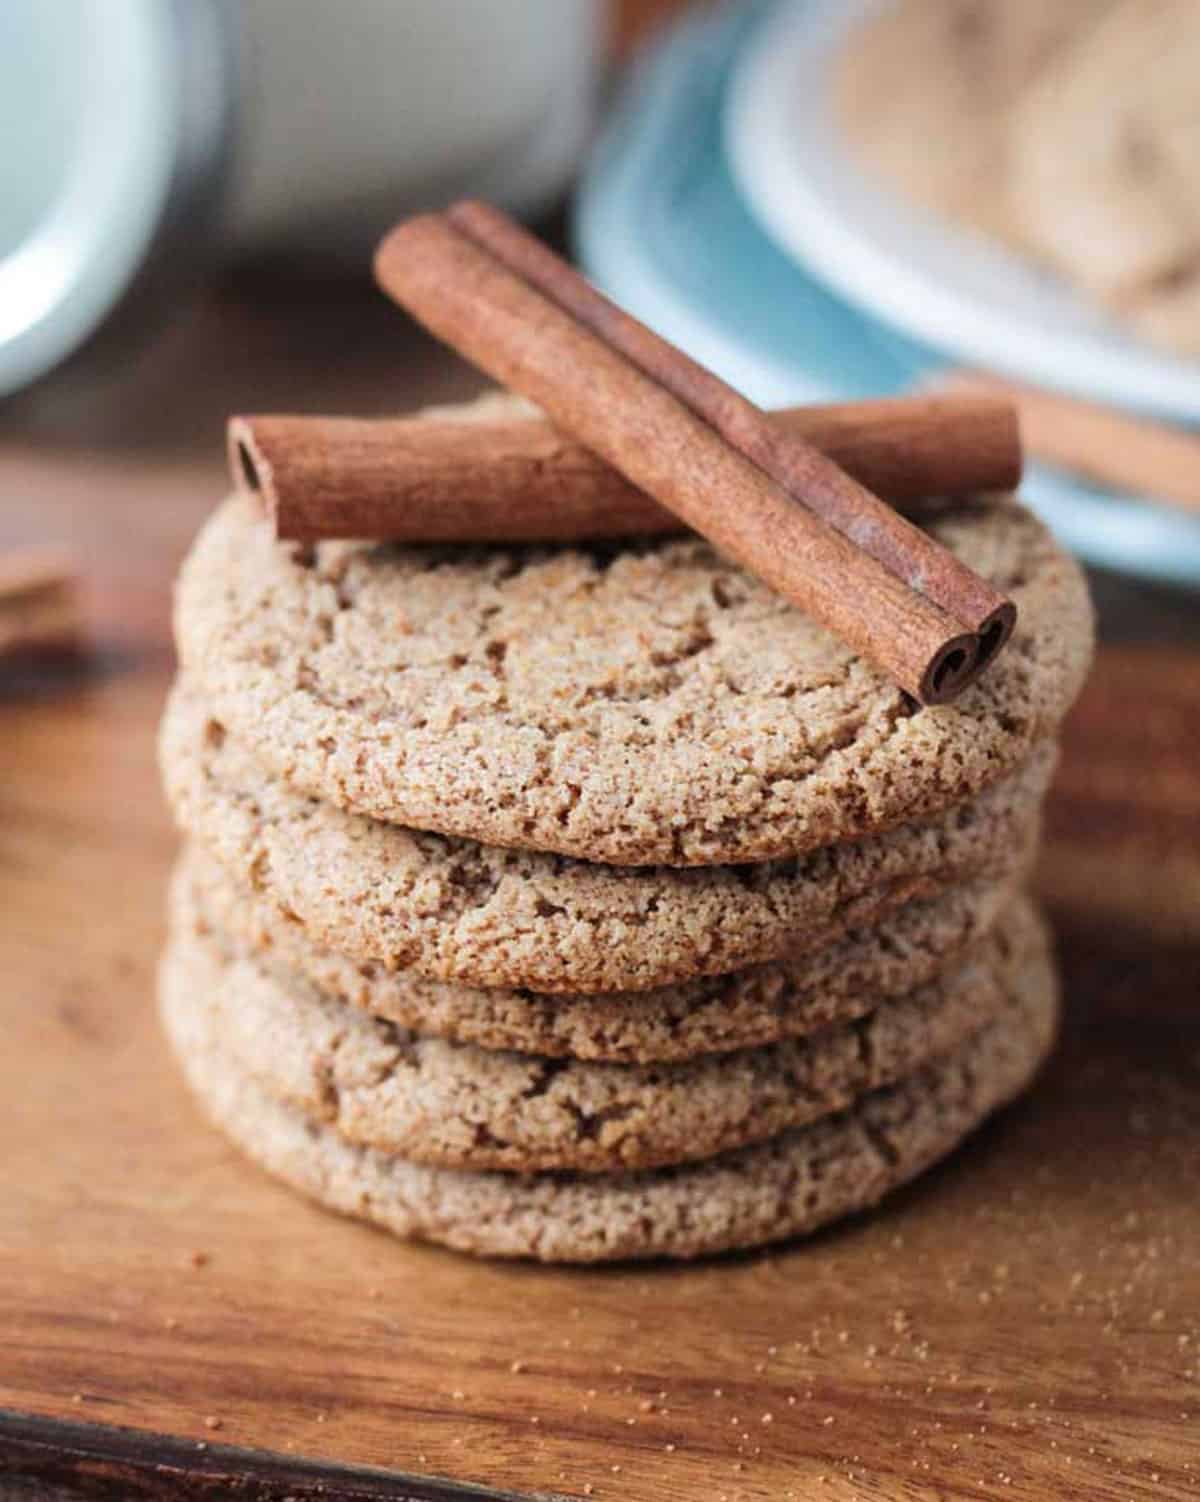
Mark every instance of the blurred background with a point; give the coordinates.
(822, 199)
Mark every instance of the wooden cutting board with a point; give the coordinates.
(1023, 1323)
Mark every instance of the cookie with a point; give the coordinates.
(451, 909)
(786, 1186)
(924, 95)
(1115, 210)
(459, 1106)
(987, 116)
(786, 998)
(643, 703)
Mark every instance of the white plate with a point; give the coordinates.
(976, 302)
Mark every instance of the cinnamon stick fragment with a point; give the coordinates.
(520, 337)
(519, 479)
(39, 607)
(1116, 449)
(807, 475)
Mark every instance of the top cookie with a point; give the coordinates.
(646, 703)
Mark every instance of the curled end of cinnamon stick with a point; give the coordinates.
(249, 468)
(960, 661)
(995, 631)
(953, 666)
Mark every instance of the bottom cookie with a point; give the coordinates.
(789, 1185)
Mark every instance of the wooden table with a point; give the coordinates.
(1023, 1323)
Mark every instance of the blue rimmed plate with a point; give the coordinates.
(977, 302)
(661, 225)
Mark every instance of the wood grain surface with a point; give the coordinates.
(1023, 1323)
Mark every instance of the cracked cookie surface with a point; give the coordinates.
(460, 1106)
(785, 998)
(450, 909)
(791, 1184)
(648, 703)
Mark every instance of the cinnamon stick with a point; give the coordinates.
(468, 297)
(39, 606)
(807, 475)
(1116, 449)
(519, 479)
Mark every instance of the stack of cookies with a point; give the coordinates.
(593, 902)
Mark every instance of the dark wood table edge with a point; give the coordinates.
(49, 1457)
